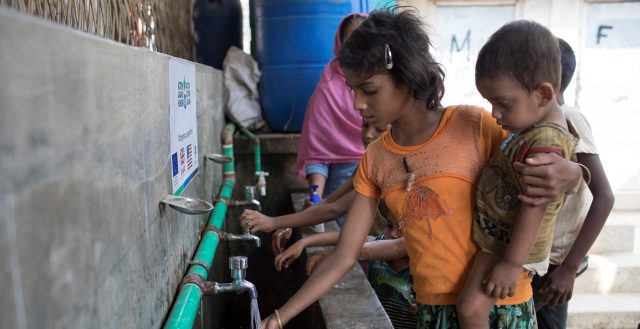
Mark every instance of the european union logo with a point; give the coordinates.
(174, 163)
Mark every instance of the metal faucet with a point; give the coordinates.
(249, 192)
(249, 201)
(238, 267)
(246, 236)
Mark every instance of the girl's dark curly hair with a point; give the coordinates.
(413, 64)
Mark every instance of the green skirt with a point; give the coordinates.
(394, 290)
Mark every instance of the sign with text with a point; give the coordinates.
(183, 125)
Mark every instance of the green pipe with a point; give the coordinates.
(227, 147)
(256, 156)
(183, 313)
(256, 148)
(228, 151)
(220, 210)
(247, 132)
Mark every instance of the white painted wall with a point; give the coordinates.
(606, 84)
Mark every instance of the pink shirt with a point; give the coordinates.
(331, 128)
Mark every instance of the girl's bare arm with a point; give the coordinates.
(338, 263)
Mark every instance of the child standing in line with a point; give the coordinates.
(328, 209)
(329, 148)
(424, 168)
(518, 72)
(578, 224)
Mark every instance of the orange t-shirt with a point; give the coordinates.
(436, 215)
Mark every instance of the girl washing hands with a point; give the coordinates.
(424, 168)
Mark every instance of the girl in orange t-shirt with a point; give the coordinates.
(424, 168)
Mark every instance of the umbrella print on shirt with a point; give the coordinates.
(423, 203)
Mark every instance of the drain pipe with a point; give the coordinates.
(183, 313)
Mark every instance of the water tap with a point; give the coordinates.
(238, 268)
(249, 199)
(246, 236)
(262, 182)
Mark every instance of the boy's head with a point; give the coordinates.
(523, 50)
(567, 64)
(393, 229)
(518, 72)
(371, 132)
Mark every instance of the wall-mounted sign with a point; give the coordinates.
(183, 125)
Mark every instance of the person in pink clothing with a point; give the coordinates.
(330, 146)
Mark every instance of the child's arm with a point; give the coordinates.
(317, 179)
(378, 249)
(292, 253)
(384, 250)
(337, 264)
(372, 250)
(501, 281)
(321, 239)
(546, 177)
(339, 192)
(558, 286)
(280, 238)
(313, 215)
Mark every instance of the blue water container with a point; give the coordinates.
(218, 26)
(293, 42)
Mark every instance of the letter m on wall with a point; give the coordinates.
(457, 47)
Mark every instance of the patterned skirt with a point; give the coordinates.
(394, 290)
(518, 316)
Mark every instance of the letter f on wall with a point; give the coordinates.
(601, 34)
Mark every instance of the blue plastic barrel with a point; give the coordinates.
(293, 42)
(218, 26)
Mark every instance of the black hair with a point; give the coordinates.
(347, 21)
(567, 63)
(523, 50)
(413, 64)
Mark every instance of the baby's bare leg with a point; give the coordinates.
(473, 303)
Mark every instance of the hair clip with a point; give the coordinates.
(388, 58)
